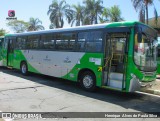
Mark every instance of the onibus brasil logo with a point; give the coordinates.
(11, 15)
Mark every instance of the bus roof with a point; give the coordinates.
(78, 28)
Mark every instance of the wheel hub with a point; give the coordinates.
(87, 81)
(24, 68)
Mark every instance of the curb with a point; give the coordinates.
(151, 91)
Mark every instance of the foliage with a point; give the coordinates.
(78, 15)
(35, 24)
(105, 15)
(115, 14)
(142, 7)
(58, 11)
(112, 14)
(3, 32)
(90, 12)
(93, 9)
(18, 26)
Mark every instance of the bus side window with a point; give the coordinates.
(94, 43)
(47, 42)
(20, 43)
(82, 38)
(33, 42)
(5, 45)
(65, 41)
(90, 41)
(72, 41)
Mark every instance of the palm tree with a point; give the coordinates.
(105, 15)
(78, 15)
(112, 14)
(35, 24)
(57, 12)
(93, 10)
(142, 6)
(115, 14)
(52, 26)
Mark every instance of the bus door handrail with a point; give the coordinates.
(107, 60)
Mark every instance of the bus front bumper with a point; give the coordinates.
(137, 85)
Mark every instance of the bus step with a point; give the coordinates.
(116, 76)
(115, 84)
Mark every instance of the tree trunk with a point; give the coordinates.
(96, 21)
(146, 3)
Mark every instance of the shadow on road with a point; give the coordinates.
(135, 101)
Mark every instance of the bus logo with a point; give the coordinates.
(11, 13)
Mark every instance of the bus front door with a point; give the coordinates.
(115, 65)
(10, 57)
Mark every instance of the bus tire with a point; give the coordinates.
(24, 68)
(88, 81)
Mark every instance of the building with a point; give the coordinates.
(152, 23)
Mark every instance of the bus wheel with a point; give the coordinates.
(24, 68)
(88, 81)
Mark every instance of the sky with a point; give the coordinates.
(24, 9)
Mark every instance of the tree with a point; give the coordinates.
(112, 14)
(52, 26)
(3, 32)
(18, 26)
(57, 11)
(105, 15)
(78, 15)
(115, 14)
(142, 7)
(93, 9)
(35, 24)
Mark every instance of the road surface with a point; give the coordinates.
(38, 93)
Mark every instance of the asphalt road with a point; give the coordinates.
(38, 93)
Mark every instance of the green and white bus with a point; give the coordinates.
(1, 43)
(119, 56)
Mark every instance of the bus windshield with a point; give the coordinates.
(145, 52)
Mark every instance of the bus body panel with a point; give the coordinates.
(66, 65)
